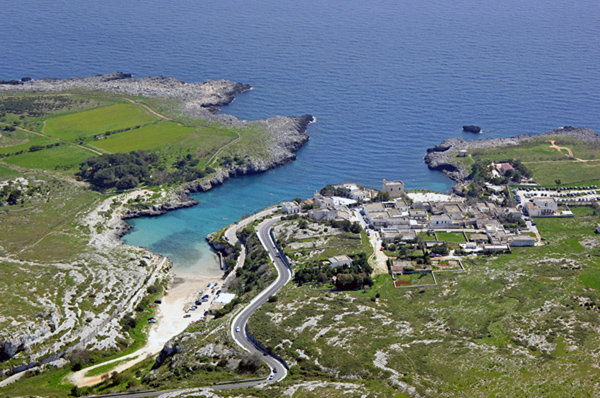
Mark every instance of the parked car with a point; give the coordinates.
(187, 316)
(157, 301)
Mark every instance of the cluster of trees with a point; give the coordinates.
(33, 148)
(331, 190)
(346, 226)
(346, 278)
(34, 106)
(127, 170)
(10, 195)
(480, 174)
(119, 170)
(108, 133)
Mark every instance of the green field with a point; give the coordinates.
(20, 140)
(95, 121)
(6, 173)
(568, 172)
(169, 137)
(451, 237)
(62, 158)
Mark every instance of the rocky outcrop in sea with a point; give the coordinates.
(443, 156)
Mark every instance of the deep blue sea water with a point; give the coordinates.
(386, 79)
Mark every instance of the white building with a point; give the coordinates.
(291, 207)
(547, 206)
(355, 192)
(340, 261)
(440, 221)
(522, 240)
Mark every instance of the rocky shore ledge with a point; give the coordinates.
(443, 156)
(204, 97)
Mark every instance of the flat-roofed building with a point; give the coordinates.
(394, 188)
(291, 207)
(340, 261)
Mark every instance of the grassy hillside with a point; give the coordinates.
(88, 125)
(547, 163)
(519, 325)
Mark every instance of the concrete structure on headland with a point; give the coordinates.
(394, 188)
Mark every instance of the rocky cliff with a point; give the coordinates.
(443, 156)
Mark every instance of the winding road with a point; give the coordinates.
(284, 275)
(240, 322)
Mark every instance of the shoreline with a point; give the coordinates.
(442, 156)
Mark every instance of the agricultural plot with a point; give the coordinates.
(88, 123)
(451, 237)
(168, 137)
(61, 158)
(19, 140)
(6, 173)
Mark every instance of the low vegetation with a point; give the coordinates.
(520, 324)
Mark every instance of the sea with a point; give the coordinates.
(385, 79)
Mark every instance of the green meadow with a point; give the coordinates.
(64, 158)
(88, 123)
(547, 164)
(166, 136)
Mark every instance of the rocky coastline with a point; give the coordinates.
(443, 157)
(285, 134)
(208, 95)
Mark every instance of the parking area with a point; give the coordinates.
(562, 194)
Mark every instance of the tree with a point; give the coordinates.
(382, 197)
(558, 182)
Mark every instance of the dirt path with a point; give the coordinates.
(146, 107)
(378, 260)
(568, 150)
(212, 158)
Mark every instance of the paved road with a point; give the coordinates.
(240, 322)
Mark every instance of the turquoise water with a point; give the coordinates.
(385, 79)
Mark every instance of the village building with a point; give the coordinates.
(394, 188)
(440, 221)
(463, 153)
(502, 168)
(401, 205)
(399, 267)
(547, 206)
(522, 241)
(340, 261)
(323, 214)
(355, 192)
(479, 238)
(291, 207)
(418, 215)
